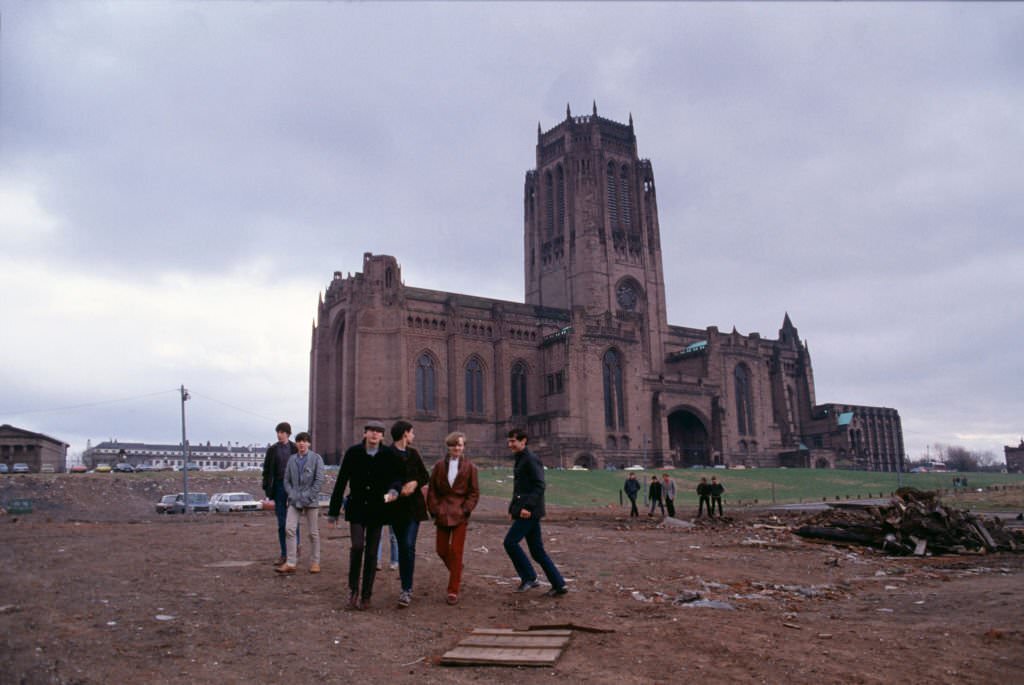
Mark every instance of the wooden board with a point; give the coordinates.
(507, 647)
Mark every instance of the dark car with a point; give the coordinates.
(124, 467)
(165, 503)
(197, 501)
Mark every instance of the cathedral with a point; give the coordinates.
(589, 364)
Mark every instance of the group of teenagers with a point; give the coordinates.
(662, 493)
(380, 484)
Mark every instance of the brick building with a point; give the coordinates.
(1014, 458)
(588, 363)
(40, 452)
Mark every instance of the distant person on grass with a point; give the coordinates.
(654, 495)
(668, 489)
(632, 489)
(303, 479)
(274, 464)
(704, 497)
(715, 490)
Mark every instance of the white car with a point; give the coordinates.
(235, 501)
(634, 467)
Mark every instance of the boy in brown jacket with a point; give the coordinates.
(452, 495)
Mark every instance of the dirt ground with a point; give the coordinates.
(98, 588)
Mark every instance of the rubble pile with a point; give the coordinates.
(915, 522)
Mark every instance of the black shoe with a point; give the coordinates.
(557, 591)
(528, 585)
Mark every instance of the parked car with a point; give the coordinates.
(236, 501)
(165, 503)
(47, 468)
(214, 499)
(139, 468)
(4, 469)
(20, 468)
(192, 466)
(78, 468)
(103, 468)
(197, 501)
(124, 467)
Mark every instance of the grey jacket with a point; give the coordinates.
(304, 488)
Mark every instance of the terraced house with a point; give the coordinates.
(588, 363)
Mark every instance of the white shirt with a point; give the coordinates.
(453, 470)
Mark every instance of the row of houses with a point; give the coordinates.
(230, 456)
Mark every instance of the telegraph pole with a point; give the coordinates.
(184, 448)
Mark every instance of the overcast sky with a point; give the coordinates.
(178, 183)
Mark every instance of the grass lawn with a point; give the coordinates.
(743, 487)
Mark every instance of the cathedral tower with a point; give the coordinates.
(592, 240)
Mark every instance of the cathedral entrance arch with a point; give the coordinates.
(585, 460)
(688, 438)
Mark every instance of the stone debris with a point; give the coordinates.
(914, 523)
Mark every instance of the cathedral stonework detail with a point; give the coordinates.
(588, 363)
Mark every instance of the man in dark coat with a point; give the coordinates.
(704, 495)
(715, 490)
(632, 489)
(654, 494)
(274, 464)
(374, 475)
(411, 508)
(526, 510)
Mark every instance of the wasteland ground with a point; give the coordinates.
(98, 588)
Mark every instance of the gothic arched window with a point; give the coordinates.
(560, 198)
(744, 401)
(625, 204)
(613, 201)
(614, 404)
(549, 204)
(474, 387)
(425, 397)
(518, 384)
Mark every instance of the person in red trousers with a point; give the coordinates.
(452, 494)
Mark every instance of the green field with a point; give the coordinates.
(742, 487)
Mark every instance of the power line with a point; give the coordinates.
(231, 406)
(87, 404)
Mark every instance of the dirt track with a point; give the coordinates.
(99, 589)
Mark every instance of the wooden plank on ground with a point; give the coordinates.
(513, 631)
(507, 647)
(543, 641)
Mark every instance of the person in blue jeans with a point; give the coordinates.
(526, 510)
(411, 508)
(274, 464)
